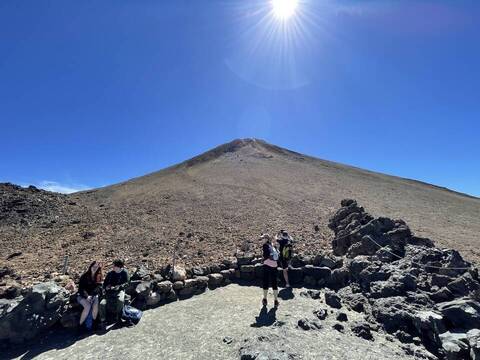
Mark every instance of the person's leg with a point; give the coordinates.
(284, 264)
(266, 275)
(102, 310)
(86, 309)
(285, 275)
(95, 307)
(275, 285)
(120, 302)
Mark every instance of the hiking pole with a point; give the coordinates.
(65, 265)
(174, 258)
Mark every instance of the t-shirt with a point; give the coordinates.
(115, 279)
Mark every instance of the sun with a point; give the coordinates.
(284, 9)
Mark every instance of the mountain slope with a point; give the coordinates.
(223, 200)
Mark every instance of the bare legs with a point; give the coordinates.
(285, 275)
(87, 304)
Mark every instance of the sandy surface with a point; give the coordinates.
(195, 329)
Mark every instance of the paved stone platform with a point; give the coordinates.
(202, 327)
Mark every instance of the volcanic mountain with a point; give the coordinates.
(215, 204)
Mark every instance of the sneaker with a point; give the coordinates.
(264, 302)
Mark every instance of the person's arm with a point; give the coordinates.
(107, 282)
(124, 280)
(266, 252)
(82, 287)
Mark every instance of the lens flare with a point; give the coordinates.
(284, 9)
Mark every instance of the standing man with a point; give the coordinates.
(115, 283)
(286, 251)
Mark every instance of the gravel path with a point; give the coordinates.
(196, 328)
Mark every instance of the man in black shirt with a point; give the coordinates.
(115, 283)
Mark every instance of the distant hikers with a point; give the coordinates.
(115, 283)
(271, 256)
(89, 291)
(286, 251)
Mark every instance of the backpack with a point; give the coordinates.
(129, 313)
(287, 251)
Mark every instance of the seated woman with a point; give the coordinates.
(89, 290)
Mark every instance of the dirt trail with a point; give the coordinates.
(196, 328)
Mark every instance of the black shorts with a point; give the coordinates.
(284, 263)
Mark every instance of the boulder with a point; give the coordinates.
(332, 300)
(383, 289)
(71, 317)
(339, 278)
(362, 329)
(295, 276)
(259, 271)
(310, 281)
(179, 274)
(178, 285)
(307, 324)
(339, 327)
(141, 273)
(473, 337)
(312, 294)
(227, 274)
(342, 317)
(429, 326)
(394, 313)
(25, 317)
(356, 302)
(245, 259)
(442, 295)
(461, 313)
(366, 246)
(154, 299)
(247, 272)
(318, 272)
(215, 280)
(164, 287)
(455, 345)
(321, 314)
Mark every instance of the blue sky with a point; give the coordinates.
(96, 92)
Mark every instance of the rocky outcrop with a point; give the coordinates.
(26, 316)
(412, 289)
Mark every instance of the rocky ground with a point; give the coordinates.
(229, 323)
(378, 278)
(213, 206)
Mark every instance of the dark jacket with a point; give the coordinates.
(88, 287)
(117, 280)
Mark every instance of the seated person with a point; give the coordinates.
(89, 290)
(115, 283)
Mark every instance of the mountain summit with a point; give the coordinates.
(217, 203)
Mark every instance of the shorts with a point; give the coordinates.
(284, 263)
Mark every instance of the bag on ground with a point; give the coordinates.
(129, 313)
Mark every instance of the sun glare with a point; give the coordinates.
(284, 9)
